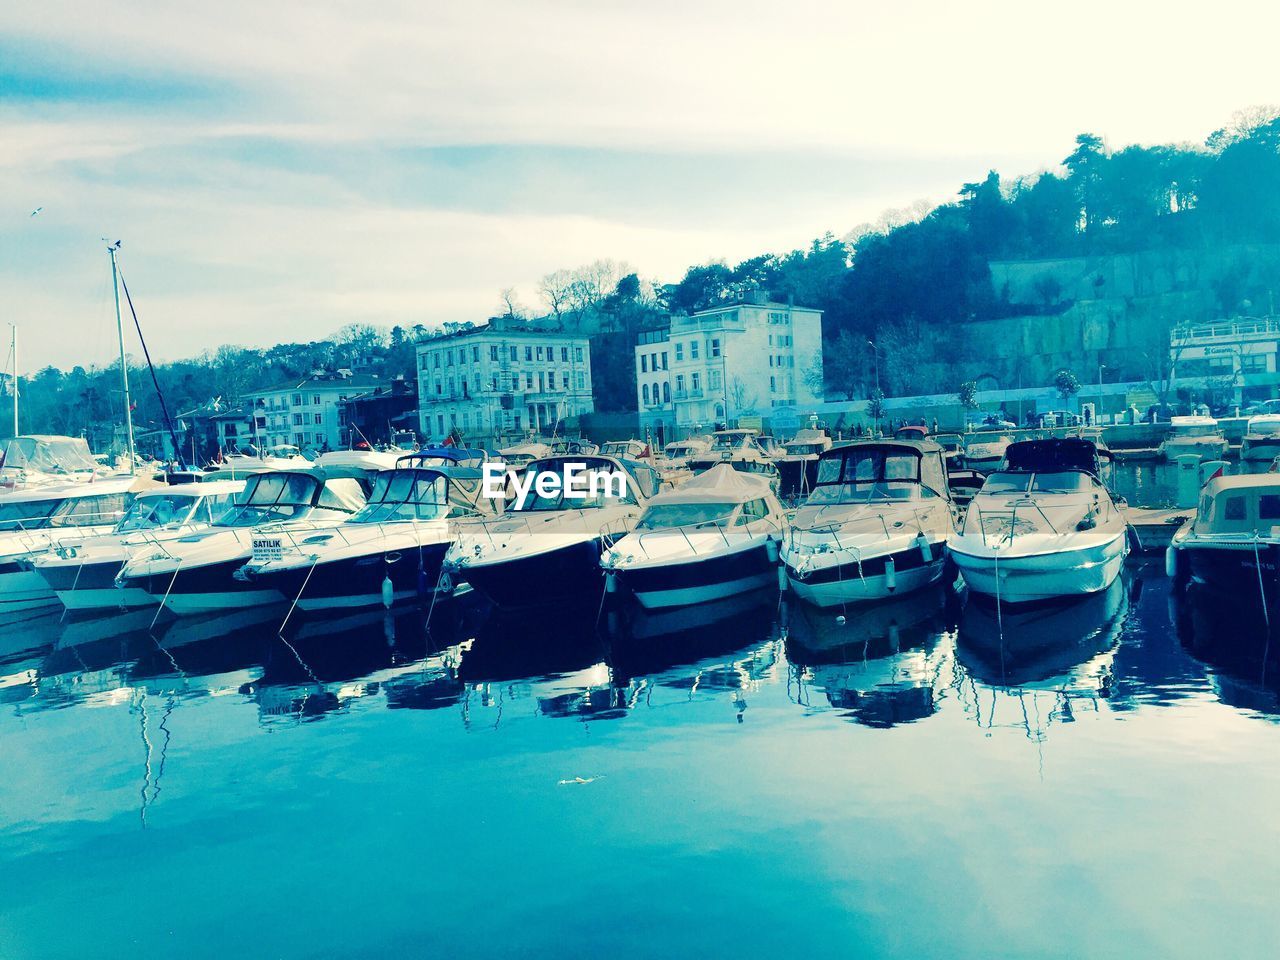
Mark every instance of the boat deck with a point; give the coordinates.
(1155, 527)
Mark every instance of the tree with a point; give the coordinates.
(511, 305)
(968, 395)
(1068, 384)
(875, 406)
(845, 363)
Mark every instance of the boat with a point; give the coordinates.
(196, 574)
(522, 454)
(1232, 545)
(1197, 434)
(545, 548)
(35, 520)
(714, 536)
(38, 460)
(82, 572)
(739, 449)
(625, 449)
(1261, 442)
(1044, 526)
(446, 456)
(675, 455)
(770, 445)
(876, 524)
(952, 445)
(798, 462)
(283, 456)
(390, 550)
(984, 450)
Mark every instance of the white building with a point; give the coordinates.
(1236, 357)
(743, 360)
(502, 380)
(306, 413)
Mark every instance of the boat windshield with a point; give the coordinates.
(148, 513)
(94, 511)
(873, 474)
(616, 450)
(405, 496)
(663, 515)
(1066, 481)
(1195, 430)
(728, 441)
(27, 514)
(274, 496)
(803, 449)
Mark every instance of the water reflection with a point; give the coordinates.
(1236, 642)
(880, 665)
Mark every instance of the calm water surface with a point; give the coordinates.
(924, 779)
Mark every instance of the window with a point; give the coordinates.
(697, 382)
(476, 380)
(1253, 363)
(713, 379)
(773, 384)
(566, 381)
(528, 353)
(297, 419)
(297, 399)
(1269, 507)
(448, 359)
(679, 351)
(1234, 508)
(679, 384)
(528, 381)
(315, 400)
(664, 359)
(715, 348)
(656, 394)
(436, 358)
(513, 353)
(666, 392)
(771, 359)
(493, 352)
(439, 389)
(539, 353)
(495, 383)
(577, 354)
(440, 421)
(475, 354)
(653, 361)
(299, 439)
(582, 381)
(644, 363)
(542, 384)
(564, 354)
(693, 349)
(318, 419)
(644, 393)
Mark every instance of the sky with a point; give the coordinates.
(275, 171)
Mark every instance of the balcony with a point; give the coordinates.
(1229, 331)
(689, 394)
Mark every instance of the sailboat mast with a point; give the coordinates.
(13, 352)
(124, 367)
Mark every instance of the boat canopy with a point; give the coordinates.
(456, 455)
(880, 469)
(1266, 424)
(720, 484)
(48, 454)
(1246, 504)
(911, 432)
(1053, 455)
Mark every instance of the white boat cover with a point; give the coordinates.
(721, 484)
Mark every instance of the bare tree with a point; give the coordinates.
(511, 304)
(554, 290)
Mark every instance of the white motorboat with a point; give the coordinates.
(522, 454)
(546, 548)
(283, 456)
(1198, 434)
(984, 451)
(1232, 544)
(715, 536)
(196, 574)
(675, 455)
(625, 449)
(82, 572)
(1043, 526)
(1261, 439)
(876, 524)
(37, 519)
(390, 550)
(739, 449)
(38, 460)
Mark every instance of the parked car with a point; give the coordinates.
(1059, 418)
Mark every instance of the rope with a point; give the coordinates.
(301, 590)
(1262, 590)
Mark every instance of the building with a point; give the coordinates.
(1234, 361)
(502, 380)
(727, 364)
(381, 415)
(305, 413)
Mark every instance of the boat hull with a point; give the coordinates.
(1233, 571)
(209, 588)
(1045, 576)
(838, 584)
(355, 582)
(568, 574)
(21, 588)
(699, 580)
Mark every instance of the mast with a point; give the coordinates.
(13, 352)
(113, 249)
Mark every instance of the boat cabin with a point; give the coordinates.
(1194, 426)
(1247, 504)
(880, 470)
(419, 493)
(625, 449)
(911, 432)
(444, 457)
(1053, 465)
(293, 494)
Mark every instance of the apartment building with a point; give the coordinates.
(502, 380)
(1236, 357)
(726, 363)
(306, 413)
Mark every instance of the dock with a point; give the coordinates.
(1154, 528)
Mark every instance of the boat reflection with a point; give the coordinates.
(1067, 645)
(880, 665)
(1240, 648)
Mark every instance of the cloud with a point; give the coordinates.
(276, 171)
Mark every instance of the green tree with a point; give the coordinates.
(968, 395)
(1068, 384)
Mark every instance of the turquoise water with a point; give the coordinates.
(923, 779)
